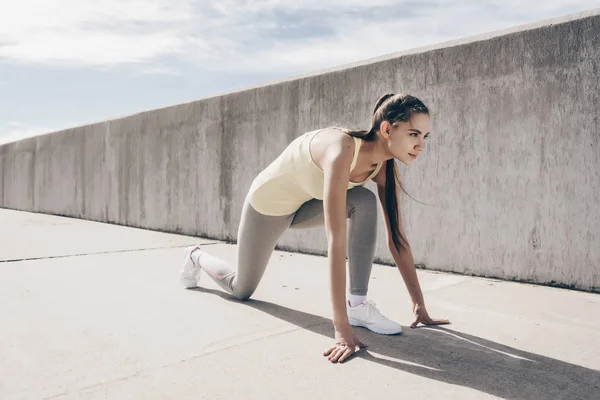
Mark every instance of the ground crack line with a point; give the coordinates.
(102, 252)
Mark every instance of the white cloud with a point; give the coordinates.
(103, 48)
(270, 37)
(243, 36)
(99, 32)
(360, 40)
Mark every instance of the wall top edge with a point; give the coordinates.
(417, 50)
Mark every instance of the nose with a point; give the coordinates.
(420, 146)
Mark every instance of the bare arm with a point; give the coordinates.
(337, 174)
(404, 259)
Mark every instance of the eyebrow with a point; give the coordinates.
(418, 131)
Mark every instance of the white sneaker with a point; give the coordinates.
(367, 315)
(190, 271)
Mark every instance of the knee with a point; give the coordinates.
(243, 295)
(363, 198)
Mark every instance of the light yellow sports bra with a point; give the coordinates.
(293, 179)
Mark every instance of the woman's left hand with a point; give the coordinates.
(422, 317)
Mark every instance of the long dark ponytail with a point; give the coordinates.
(392, 108)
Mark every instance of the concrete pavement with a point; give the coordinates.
(95, 311)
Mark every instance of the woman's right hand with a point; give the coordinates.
(346, 344)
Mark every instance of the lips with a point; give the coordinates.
(412, 155)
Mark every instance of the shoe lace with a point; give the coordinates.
(373, 308)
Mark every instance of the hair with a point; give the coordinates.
(392, 108)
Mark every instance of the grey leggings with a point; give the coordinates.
(258, 234)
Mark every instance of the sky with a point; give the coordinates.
(66, 63)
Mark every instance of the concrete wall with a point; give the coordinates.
(511, 172)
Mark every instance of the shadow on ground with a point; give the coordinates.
(456, 358)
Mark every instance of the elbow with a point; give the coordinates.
(336, 241)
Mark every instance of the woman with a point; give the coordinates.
(318, 180)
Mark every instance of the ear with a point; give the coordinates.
(384, 128)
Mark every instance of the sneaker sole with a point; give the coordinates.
(374, 329)
(189, 283)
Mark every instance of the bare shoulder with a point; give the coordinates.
(341, 144)
(331, 144)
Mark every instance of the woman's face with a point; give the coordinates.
(406, 140)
